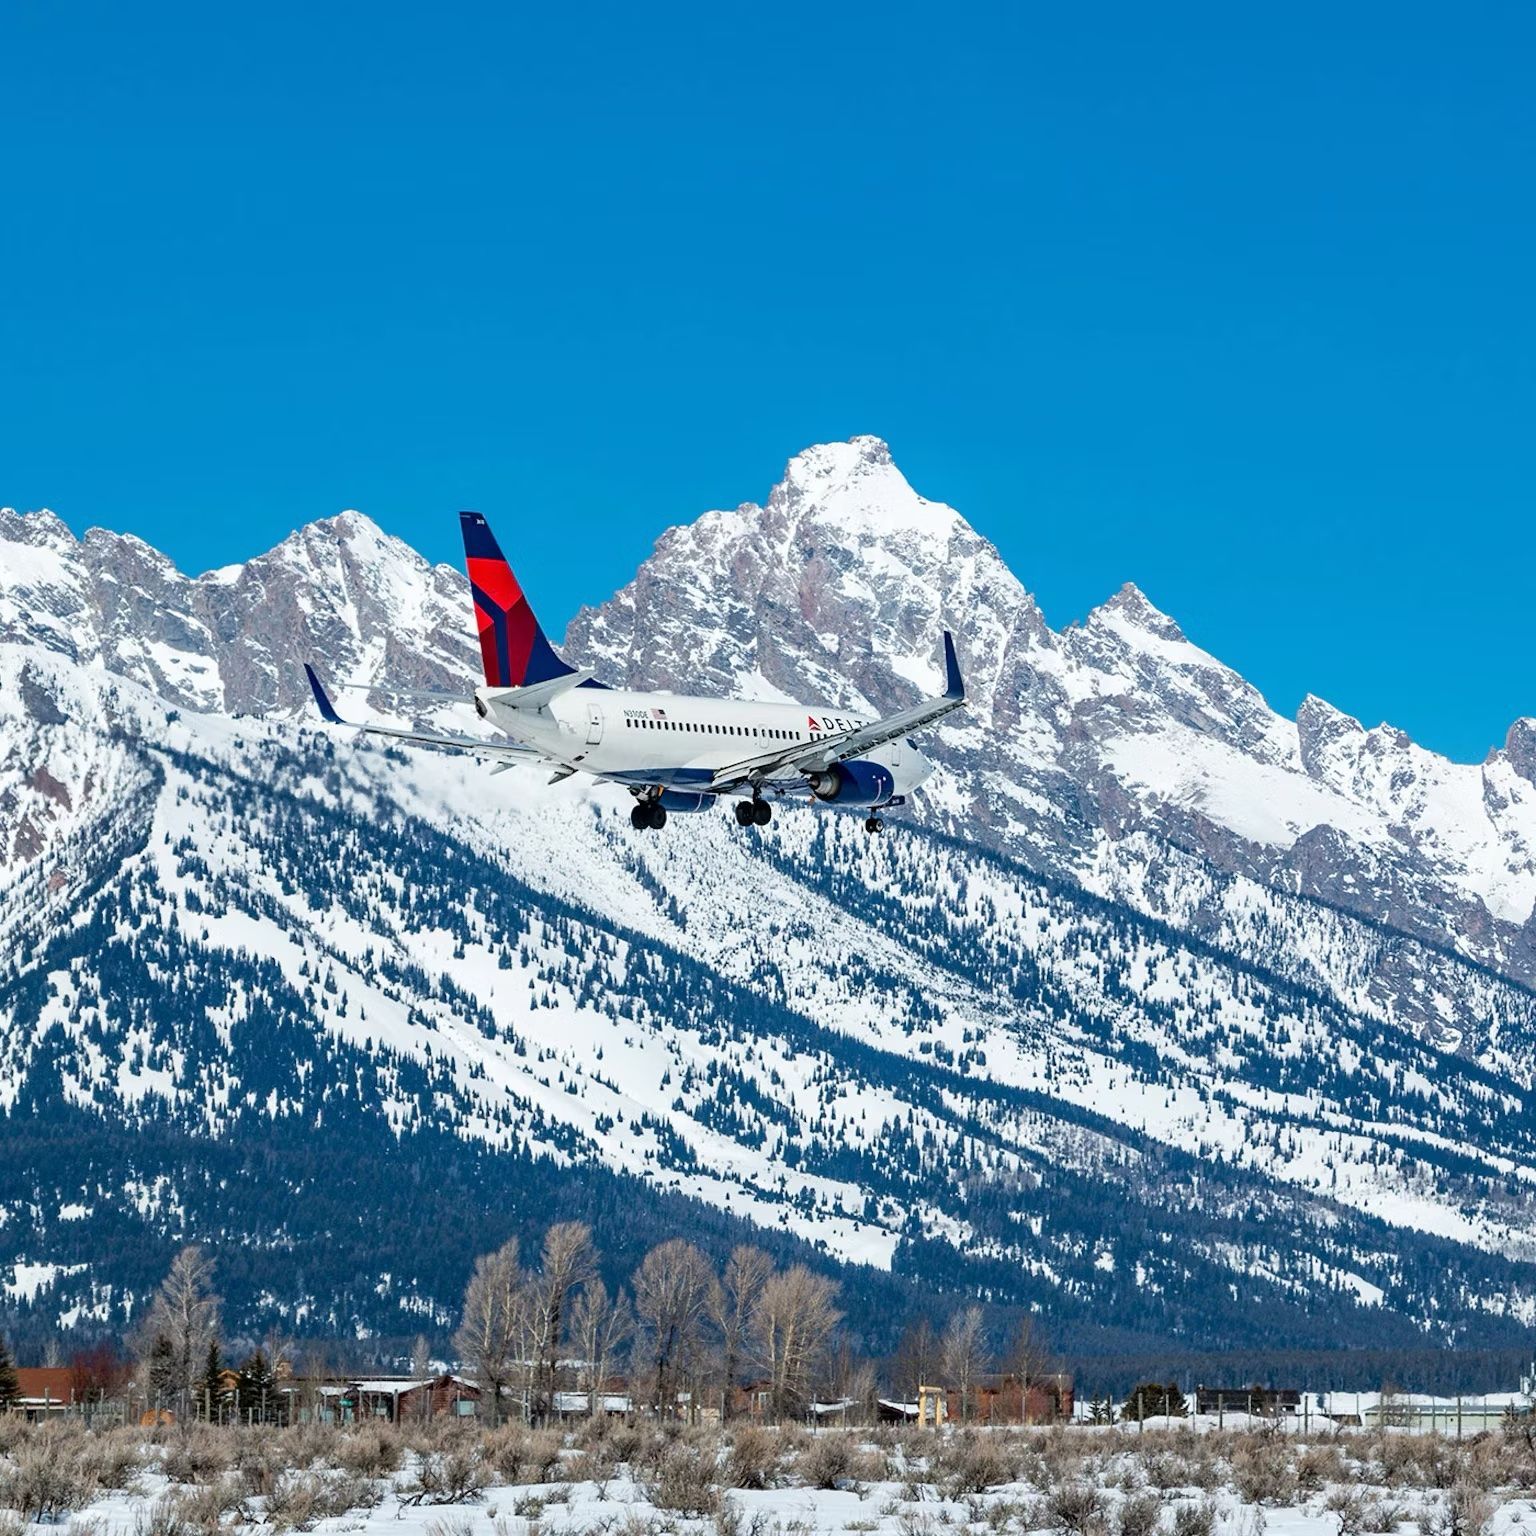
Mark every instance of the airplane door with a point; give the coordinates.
(594, 725)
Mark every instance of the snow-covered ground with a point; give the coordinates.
(1189, 1479)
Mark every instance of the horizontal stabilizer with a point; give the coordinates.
(481, 747)
(426, 695)
(536, 695)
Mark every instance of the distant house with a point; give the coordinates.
(1006, 1399)
(577, 1405)
(1265, 1402)
(400, 1399)
(43, 1391)
(1468, 1415)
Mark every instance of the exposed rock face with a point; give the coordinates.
(338, 591)
(835, 590)
(838, 585)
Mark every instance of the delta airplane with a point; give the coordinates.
(672, 752)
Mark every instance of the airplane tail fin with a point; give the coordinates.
(512, 646)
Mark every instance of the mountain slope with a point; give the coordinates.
(1093, 1069)
(840, 583)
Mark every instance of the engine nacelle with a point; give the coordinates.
(857, 783)
(685, 801)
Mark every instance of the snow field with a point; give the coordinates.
(1169, 1478)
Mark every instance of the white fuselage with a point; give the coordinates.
(679, 742)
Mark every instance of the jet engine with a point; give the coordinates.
(686, 800)
(856, 783)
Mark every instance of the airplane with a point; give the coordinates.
(673, 753)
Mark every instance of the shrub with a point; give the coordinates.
(452, 1476)
(1319, 1465)
(1262, 1471)
(828, 1462)
(753, 1460)
(370, 1451)
(1076, 1508)
(523, 1455)
(292, 1504)
(202, 1508)
(451, 1525)
(1348, 1506)
(1138, 1515)
(1194, 1519)
(1467, 1511)
(47, 1479)
(162, 1518)
(973, 1463)
(685, 1485)
(199, 1455)
(1167, 1471)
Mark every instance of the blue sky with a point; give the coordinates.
(1234, 302)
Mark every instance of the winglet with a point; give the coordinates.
(322, 699)
(954, 684)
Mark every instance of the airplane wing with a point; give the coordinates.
(508, 751)
(838, 746)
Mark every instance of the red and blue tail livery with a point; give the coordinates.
(513, 649)
(673, 752)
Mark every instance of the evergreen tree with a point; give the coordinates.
(1153, 1400)
(257, 1397)
(160, 1369)
(10, 1386)
(213, 1388)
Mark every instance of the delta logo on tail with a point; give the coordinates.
(513, 650)
(672, 752)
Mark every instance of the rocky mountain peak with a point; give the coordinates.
(1520, 747)
(1321, 730)
(853, 492)
(834, 590)
(1131, 606)
(41, 529)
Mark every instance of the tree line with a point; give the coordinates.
(543, 1335)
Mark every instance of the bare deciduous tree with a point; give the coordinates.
(734, 1303)
(917, 1358)
(488, 1334)
(963, 1354)
(1028, 1360)
(567, 1263)
(183, 1320)
(673, 1287)
(794, 1318)
(600, 1325)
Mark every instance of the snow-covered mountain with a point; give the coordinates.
(1161, 1012)
(1076, 740)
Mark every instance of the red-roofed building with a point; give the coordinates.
(44, 1390)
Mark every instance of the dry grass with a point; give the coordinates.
(1110, 1482)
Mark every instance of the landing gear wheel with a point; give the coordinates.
(657, 817)
(873, 824)
(762, 812)
(640, 816)
(744, 815)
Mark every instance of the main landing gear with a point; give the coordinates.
(753, 813)
(873, 824)
(648, 815)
